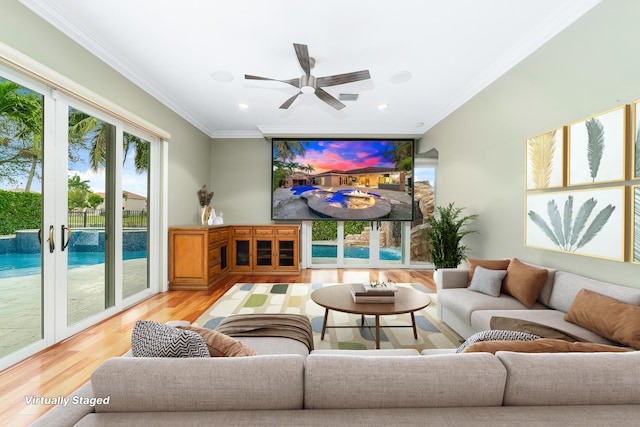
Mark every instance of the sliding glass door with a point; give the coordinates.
(76, 216)
(21, 215)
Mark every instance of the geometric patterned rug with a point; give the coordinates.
(246, 298)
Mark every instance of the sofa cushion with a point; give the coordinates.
(542, 345)
(138, 384)
(606, 316)
(275, 345)
(547, 288)
(462, 303)
(490, 264)
(154, 339)
(571, 378)
(567, 285)
(221, 345)
(524, 282)
(487, 281)
(481, 320)
(496, 335)
(334, 381)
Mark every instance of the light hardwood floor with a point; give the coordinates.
(64, 367)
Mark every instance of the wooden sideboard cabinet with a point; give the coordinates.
(268, 249)
(198, 257)
(201, 256)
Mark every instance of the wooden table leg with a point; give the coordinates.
(324, 323)
(413, 323)
(377, 332)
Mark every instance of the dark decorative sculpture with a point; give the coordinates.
(204, 196)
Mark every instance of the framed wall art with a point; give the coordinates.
(597, 148)
(635, 258)
(545, 155)
(583, 222)
(635, 138)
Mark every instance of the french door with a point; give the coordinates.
(356, 244)
(78, 208)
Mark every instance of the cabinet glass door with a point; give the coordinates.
(286, 253)
(242, 249)
(264, 253)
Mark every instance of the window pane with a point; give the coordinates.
(135, 214)
(424, 188)
(21, 144)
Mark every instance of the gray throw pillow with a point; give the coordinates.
(497, 335)
(153, 339)
(487, 281)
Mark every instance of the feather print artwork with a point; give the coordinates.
(567, 233)
(541, 150)
(595, 145)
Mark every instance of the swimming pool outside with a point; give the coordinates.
(18, 265)
(331, 251)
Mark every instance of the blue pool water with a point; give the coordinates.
(331, 251)
(16, 265)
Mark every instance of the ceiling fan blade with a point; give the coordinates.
(289, 101)
(293, 82)
(339, 79)
(303, 57)
(329, 99)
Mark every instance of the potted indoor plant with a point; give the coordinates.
(446, 229)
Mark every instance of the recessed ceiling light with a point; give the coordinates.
(382, 106)
(401, 77)
(243, 106)
(222, 76)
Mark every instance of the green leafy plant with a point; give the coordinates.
(383, 284)
(447, 228)
(564, 231)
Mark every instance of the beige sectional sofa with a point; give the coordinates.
(468, 312)
(373, 388)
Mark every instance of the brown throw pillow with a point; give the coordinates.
(542, 345)
(524, 282)
(613, 319)
(221, 345)
(489, 264)
(529, 327)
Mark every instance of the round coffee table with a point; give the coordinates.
(338, 298)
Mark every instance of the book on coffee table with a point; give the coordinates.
(362, 295)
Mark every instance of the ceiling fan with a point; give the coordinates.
(310, 84)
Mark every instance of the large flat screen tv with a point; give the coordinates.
(342, 179)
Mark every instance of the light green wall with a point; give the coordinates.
(589, 68)
(189, 149)
(241, 180)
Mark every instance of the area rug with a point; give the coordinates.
(244, 298)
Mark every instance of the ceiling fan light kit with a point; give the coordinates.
(308, 83)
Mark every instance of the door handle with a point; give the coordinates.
(62, 230)
(40, 236)
(52, 243)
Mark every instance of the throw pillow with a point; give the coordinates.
(487, 281)
(221, 345)
(496, 335)
(613, 319)
(542, 345)
(153, 339)
(521, 325)
(489, 264)
(524, 282)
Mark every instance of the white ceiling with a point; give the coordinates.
(173, 49)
